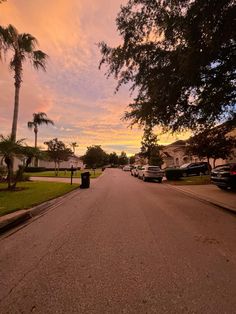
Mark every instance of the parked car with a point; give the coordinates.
(126, 168)
(134, 170)
(224, 176)
(150, 173)
(196, 168)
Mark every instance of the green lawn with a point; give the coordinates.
(33, 194)
(65, 174)
(194, 180)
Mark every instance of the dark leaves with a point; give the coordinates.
(180, 57)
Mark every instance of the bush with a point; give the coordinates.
(20, 176)
(24, 177)
(3, 173)
(35, 169)
(173, 174)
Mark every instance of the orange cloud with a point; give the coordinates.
(73, 92)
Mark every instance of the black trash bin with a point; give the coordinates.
(85, 180)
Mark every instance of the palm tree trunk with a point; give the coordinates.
(18, 70)
(15, 115)
(16, 110)
(35, 145)
(35, 137)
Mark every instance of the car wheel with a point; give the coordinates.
(185, 174)
(144, 178)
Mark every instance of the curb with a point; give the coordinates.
(12, 222)
(14, 219)
(205, 200)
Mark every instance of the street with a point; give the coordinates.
(122, 246)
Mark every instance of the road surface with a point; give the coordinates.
(123, 246)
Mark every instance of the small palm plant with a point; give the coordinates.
(22, 47)
(38, 119)
(9, 149)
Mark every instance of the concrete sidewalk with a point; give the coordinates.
(20, 216)
(211, 194)
(54, 179)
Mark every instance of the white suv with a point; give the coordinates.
(151, 173)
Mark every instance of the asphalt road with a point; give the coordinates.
(123, 246)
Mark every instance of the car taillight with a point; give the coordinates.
(233, 172)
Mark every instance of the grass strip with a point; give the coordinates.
(65, 174)
(31, 194)
(193, 180)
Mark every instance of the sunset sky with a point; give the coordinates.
(73, 92)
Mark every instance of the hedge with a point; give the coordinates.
(35, 169)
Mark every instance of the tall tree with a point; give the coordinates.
(212, 143)
(58, 152)
(150, 148)
(22, 47)
(123, 159)
(95, 157)
(113, 158)
(39, 118)
(180, 57)
(132, 160)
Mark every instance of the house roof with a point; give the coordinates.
(177, 143)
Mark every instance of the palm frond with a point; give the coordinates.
(39, 59)
(39, 115)
(30, 125)
(45, 121)
(27, 42)
(9, 147)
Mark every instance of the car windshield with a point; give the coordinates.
(185, 165)
(153, 168)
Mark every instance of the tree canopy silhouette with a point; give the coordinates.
(179, 57)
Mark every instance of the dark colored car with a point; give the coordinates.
(195, 168)
(224, 176)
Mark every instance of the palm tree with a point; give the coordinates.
(38, 119)
(23, 48)
(9, 149)
(74, 145)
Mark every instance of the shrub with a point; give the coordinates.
(3, 173)
(173, 174)
(20, 176)
(24, 177)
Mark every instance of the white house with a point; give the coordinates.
(74, 161)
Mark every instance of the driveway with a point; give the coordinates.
(211, 193)
(123, 246)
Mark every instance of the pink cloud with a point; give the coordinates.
(73, 92)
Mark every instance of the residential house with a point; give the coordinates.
(174, 155)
